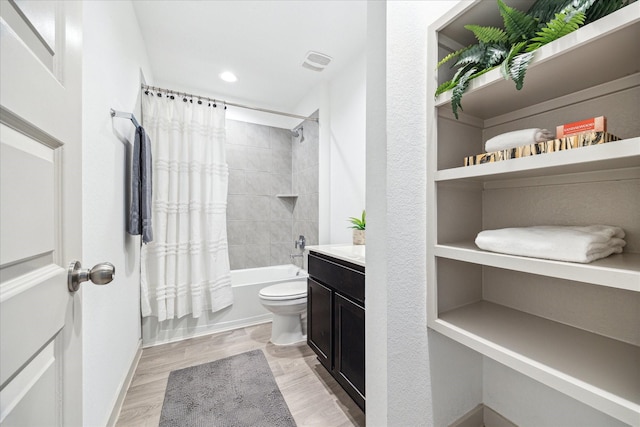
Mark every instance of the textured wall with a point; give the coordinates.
(408, 358)
(399, 384)
(260, 226)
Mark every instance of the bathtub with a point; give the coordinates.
(245, 311)
(266, 276)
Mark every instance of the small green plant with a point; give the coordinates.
(512, 47)
(358, 223)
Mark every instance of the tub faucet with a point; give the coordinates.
(293, 258)
(300, 243)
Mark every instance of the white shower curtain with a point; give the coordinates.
(186, 267)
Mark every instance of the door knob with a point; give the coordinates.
(100, 274)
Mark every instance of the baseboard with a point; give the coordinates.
(169, 336)
(482, 416)
(494, 419)
(473, 418)
(115, 412)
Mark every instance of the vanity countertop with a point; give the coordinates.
(351, 253)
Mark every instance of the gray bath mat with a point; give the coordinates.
(236, 391)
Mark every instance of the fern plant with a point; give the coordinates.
(513, 47)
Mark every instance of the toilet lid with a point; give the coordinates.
(286, 290)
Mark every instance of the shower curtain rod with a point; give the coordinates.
(232, 104)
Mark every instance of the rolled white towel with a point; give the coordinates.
(562, 243)
(517, 138)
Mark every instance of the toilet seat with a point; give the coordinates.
(285, 291)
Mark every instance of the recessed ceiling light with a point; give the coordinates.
(228, 76)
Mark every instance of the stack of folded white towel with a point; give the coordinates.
(563, 243)
(517, 138)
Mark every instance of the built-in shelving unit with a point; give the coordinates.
(476, 297)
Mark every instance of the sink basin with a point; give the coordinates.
(354, 252)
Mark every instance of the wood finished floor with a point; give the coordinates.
(314, 398)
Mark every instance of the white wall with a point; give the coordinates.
(347, 99)
(342, 107)
(114, 53)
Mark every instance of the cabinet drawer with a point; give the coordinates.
(342, 277)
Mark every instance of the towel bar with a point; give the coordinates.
(124, 115)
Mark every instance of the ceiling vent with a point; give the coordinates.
(316, 61)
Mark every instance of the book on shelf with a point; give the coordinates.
(594, 124)
(584, 139)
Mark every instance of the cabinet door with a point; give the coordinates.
(349, 347)
(319, 316)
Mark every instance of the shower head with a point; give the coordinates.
(298, 133)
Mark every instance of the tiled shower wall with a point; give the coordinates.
(260, 226)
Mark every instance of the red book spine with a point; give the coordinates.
(595, 124)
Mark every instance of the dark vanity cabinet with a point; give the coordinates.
(335, 316)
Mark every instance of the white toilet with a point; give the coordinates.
(287, 301)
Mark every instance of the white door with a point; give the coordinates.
(40, 212)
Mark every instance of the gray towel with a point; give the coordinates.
(141, 187)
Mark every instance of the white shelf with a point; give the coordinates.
(612, 155)
(586, 54)
(596, 370)
(617, 271)
(286, 196)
